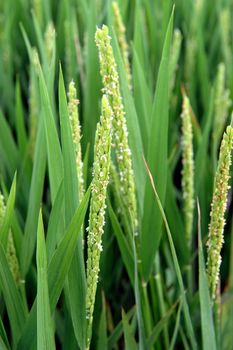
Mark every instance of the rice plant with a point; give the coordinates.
(116, 227)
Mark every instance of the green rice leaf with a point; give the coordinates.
(57, 271)
(143, 99)
(126, 252)
(160, 326)
(55, 163)
(3, 336)
(118, 330)
(92, 81)
(6, 224)
(20, 123)
(35, 197)
(186, 311)
(135, 140)
(56, 223)
(207, 324)
(77, 286)
(45, 337)
(102, 333)
(157, 160)
(130, 342)
(14, 304)
(9, 151)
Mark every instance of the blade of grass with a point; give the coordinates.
(20, 124)
(157, 160)
(14, 304)
(102, 333)
(174, 336)
(55, 229)
(126, 252)
(77, 286)
(45, 337)
(187, 316)
(142, 97)
(5, 227)
(130, 342)
(138, 297)
(176, 222)
(9, 150)
(207, 324)
(135, 140)
(4, 335)
(3, 345)
(35, 197)
(92, 81)
(160, 325)
(55, 163)
(57, 271)
(117, 332)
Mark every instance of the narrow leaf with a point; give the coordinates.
(207, 324)
(45, 337)
(157, 159)
(130, 342)
(4, 229)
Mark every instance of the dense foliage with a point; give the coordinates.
(116, 226)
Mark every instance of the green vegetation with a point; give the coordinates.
(116, 227)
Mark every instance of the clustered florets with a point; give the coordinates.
(97, 207)
(76, 135)
(218, 208)
(111, 88)
(188, 168)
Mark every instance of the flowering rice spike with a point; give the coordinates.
(218, 209)
(110, 78)
(188, 168)
(121, 38)
(76, 135)
(97, 208)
